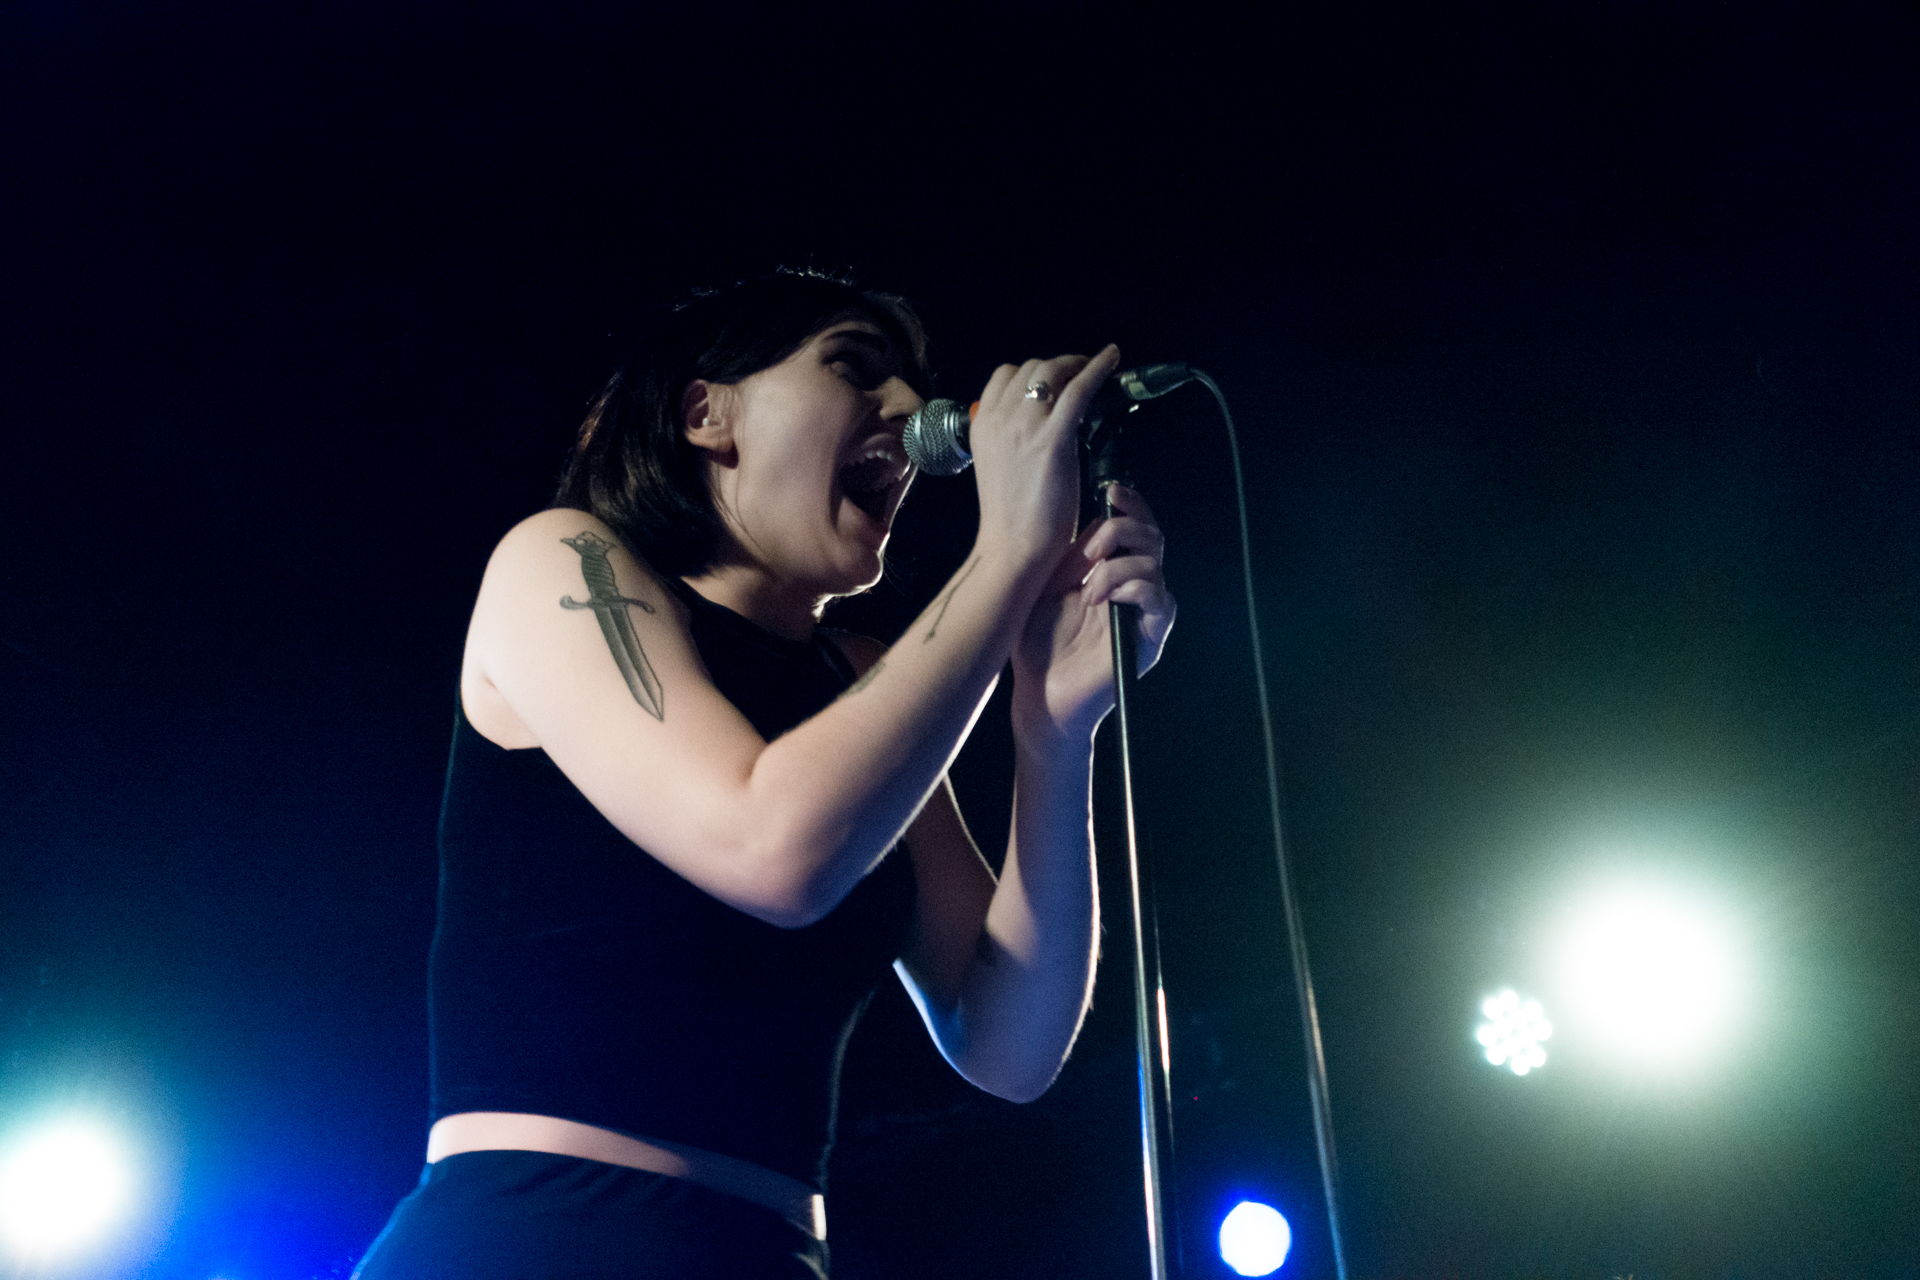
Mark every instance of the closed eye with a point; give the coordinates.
(864, 359)
(862, 371)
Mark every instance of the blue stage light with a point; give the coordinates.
(1254, 1238)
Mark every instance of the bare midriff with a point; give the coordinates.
(517, 1131)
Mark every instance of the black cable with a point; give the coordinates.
(1296, 937)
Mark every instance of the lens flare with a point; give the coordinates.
(1652, 973)
(61, 1186)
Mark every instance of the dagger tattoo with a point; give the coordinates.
(610, 607)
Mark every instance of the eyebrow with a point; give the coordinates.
(878, 342)
(885, 348)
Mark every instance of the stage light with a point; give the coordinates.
(1254, 1238)
(1653, 973)
(61, 1186)
(1512, 1033)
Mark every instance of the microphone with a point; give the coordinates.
(936, 436)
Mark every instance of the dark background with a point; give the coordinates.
(1575, 352)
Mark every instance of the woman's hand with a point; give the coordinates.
(1063, 662)
(1026, 453)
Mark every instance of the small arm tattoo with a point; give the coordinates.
(610, 607)
(946, 600)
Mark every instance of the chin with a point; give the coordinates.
(861, 576)
(868, 581)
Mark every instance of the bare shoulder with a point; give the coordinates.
(562, 543)
(575, 558)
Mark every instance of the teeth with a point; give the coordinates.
(885, 451)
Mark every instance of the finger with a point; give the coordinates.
(1129, 502)
(1154, 600)
(1157, 609)
(1073, 399)
(1063, 369)
(1124, 533)
(1014, 382)
(1074, 563)
(1106, 578)
(1007, 375)
(1045, 380)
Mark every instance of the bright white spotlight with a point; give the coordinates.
(1652, 973)
(1254, 1238)
(60, 1186)
(1512, 1033)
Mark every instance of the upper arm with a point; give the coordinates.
(591, 654)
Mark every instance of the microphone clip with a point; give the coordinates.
(1103, 432)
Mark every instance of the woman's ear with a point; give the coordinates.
(702, 416)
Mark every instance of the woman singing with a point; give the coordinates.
(687, 829)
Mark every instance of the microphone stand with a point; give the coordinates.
(1103, 437)
(1149, 991)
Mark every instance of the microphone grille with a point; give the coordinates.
(936, 438)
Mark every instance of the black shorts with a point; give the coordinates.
(525, 1215)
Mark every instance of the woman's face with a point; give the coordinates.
(816, 468)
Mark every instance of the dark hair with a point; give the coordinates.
(632, 465)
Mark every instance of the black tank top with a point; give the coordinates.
(574, 975)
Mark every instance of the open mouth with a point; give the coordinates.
(873, 476)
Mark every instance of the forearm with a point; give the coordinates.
(1027, 988)
(828, 798)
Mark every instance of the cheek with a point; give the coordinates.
(786, 497)
(787, 465)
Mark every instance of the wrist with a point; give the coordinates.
(1027, 561)
(1036, 729)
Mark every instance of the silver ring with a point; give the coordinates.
(1039, 390)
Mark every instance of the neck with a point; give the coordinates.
(780, 607)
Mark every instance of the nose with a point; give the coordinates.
(898, 400)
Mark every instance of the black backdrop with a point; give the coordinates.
(1575, 351)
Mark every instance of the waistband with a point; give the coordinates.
(468, 1131)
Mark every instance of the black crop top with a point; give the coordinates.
(574, 975)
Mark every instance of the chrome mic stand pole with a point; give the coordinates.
(1149, 993)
